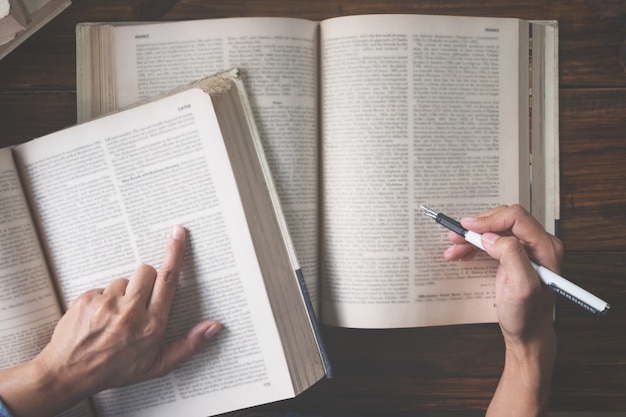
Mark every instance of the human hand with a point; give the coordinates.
(512, 236)
(524, 305)
(110, 337)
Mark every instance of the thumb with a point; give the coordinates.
(182, 349)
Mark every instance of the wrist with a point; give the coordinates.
(22, 389)
(31, 389)
(537, 348)
(531, 365)
(524, 388)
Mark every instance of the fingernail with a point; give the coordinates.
(490, 237)
(448, 252)
(212, 331)
(178, 232)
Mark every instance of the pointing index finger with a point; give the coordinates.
(169, 272)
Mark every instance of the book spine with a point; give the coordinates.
(314, 322)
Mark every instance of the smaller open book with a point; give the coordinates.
(102, 197)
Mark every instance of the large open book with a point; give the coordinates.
(85, 205)
(404, 110)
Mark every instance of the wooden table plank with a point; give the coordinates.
(25, 115)
(593, 169)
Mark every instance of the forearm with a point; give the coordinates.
(524, 388)
(29, 390)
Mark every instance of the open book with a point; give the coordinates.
(103, 195)
(404, 110)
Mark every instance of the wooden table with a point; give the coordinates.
(444, 368)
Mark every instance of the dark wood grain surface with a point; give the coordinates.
(442, 368)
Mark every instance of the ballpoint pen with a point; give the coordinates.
(554, 281)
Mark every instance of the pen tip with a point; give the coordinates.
(428, 212)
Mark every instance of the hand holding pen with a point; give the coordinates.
(524, 305)
(528, 239)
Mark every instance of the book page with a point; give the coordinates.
(29, 308)
(107, 192)
(415, 110)
(278, 61)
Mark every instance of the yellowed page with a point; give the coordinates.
(416, 110)
(29, 308)
(278, 61)
(105, 194)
